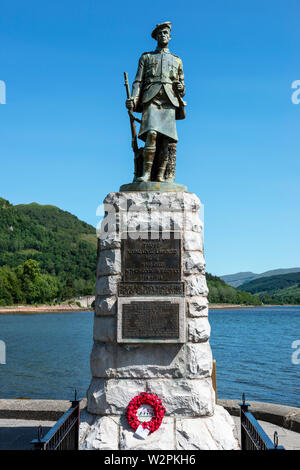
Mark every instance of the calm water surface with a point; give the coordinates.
(48, 355)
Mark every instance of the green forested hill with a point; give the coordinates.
(220, 292)
(63, 245)
(280, 289)
(48, 253)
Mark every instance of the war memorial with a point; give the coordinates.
(151, 361)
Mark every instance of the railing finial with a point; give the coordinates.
(275, 439)
(39, 433)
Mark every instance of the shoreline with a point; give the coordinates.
(233, 306)
(65, 308)
(31, 309)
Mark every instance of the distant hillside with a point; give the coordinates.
(238, 279)
(220, 292)
(280, 289)
(63, 245)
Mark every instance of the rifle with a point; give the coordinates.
(132, 118)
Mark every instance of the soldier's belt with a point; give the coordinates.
(161, 82)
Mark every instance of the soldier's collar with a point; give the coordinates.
(162, 49)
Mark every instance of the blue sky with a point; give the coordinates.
(64, 131)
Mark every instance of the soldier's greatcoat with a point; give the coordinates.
(153, 92)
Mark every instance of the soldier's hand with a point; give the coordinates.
(179, 86)
(130, 104)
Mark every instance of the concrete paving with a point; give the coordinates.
(290, 440)
(16, 434)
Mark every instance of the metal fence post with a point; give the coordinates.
(38, 443)
(243, 408)
(76, 403)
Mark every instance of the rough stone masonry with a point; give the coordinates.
(151, 328)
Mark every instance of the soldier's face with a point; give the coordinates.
(163, 37)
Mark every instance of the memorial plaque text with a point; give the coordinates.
(151, 267)
(150, 319)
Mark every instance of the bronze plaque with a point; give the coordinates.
(153, 319)
(151, 267)
(145, 260)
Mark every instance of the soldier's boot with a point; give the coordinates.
(170, 170)
(148, 155)
(162, 168)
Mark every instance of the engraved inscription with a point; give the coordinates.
(146, 260)
(128, 289)
(157, 320)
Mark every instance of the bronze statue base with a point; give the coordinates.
(153, 186)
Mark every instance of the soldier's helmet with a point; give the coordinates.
(166, 24)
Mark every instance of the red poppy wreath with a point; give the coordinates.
(145, 399)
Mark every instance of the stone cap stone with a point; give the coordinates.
(153, 200)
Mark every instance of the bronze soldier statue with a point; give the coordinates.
(157, 93)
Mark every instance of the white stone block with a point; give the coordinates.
(198, 360)
(107, 285)
(193, 262)
(110, 221)
(191, 202)
(105, 329)
(152, 221)
(162, 439)
(155, 220)
(150, 360)
(119, 392)
(192, 241)
(197, 306)
(109, 240)
(112, 396)
(198, 329)
(195, 285)
(103, 434)
(184, 397)
(192, 434)
(222, 427)
(96, 397)
(193, 360)
(103, 360)
(86, 421)
(106, 305)
(109, 262)
(193, 222)
(207, 433)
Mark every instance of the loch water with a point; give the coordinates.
(47, 355)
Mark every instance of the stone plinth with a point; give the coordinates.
(151, 329)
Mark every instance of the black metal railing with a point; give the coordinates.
(253, 437)
(64, 435)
